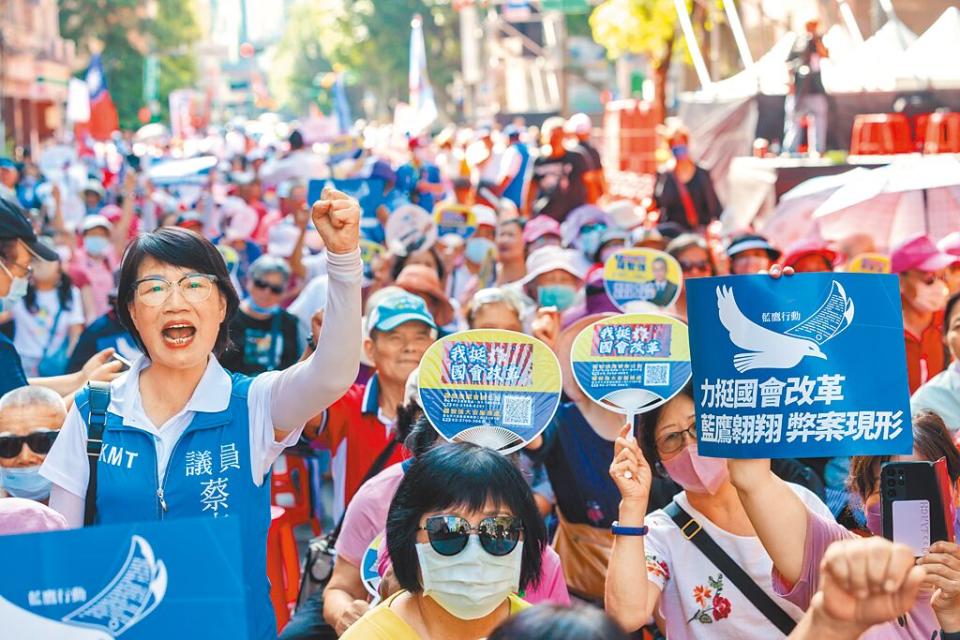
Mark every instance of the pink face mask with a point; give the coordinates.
(696, 474)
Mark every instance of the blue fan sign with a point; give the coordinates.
(807, 365)
(136, 581)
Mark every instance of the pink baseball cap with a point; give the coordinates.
(920, 254)
(19, 515)
(540, 226)
(950, 244)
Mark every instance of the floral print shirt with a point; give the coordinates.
(697, 601)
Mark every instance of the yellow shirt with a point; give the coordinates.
(382, 623)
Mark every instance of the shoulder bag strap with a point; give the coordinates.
(53, 332)
(374, 469)
(694, 532)
(97, 404)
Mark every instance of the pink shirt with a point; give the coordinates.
(366, 518)
(98, 272)
(920, 621)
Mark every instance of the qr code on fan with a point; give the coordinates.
(517, 411)
(656, 374)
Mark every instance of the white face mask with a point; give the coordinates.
(930, 298)
(18, 289)
(471, 584)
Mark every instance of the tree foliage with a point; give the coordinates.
(370, 40)
(126, 34)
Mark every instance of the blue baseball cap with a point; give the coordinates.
(7, 163)
(396, 309)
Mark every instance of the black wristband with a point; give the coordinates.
(952, 635)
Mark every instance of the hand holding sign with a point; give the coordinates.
(630, 470)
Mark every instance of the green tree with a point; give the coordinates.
(647, 27)
(371, 39)
(126, 33)
(300, 63)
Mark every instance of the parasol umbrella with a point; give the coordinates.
(793, 218)
(913, 195)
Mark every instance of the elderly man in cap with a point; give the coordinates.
(359, 426)
(923, 293)
(18, 247)
(93, 195)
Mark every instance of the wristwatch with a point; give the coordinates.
(619, 530)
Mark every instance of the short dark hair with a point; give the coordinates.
(660, 260)
(181, 248)
(553, 622)
(421, 436)
(648, 433)
(948, 310)
(931, 441)
(460, 475)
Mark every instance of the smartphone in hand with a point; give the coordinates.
(915, 504)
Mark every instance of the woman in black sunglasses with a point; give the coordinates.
(265, 336)
(465, 537)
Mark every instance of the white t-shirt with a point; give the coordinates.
(697, 600)
(33, 330)
(66, 464)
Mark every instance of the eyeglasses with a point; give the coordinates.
(449, 535)
(153, 291)
(698, 265)
(38, 441)
(673, 442)
(263, 284)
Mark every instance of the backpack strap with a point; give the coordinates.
(98, 400)
(695, 533)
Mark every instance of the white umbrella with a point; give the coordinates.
(910, 196)
(793, 218)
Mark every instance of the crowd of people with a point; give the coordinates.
(147, 321)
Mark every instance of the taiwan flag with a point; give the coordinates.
(103, 114)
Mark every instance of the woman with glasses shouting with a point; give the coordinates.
(182, 436)
(265, 336)
(689, 593)
(465, 538)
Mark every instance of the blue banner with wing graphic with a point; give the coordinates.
(805, 366)
(151, 580)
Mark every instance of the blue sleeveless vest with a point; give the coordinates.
(514, 190)
(208, 475)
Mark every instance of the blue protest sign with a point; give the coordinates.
(151, 580)
(367, 191)
(807, 365)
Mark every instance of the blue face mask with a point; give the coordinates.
(267, 311)
(590, 241)
(25, 482)
(680, 151)
(560, 296)
(478, 249)
(95, 245)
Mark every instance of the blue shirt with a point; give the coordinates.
(12, 376)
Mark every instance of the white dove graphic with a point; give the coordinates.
(771, 350)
